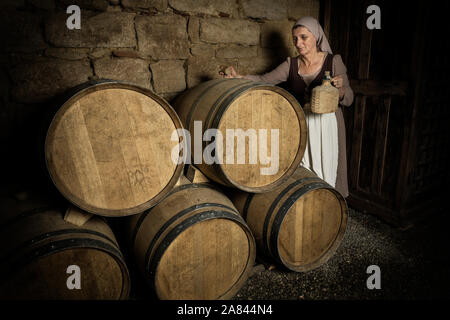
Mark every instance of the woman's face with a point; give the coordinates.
(304, 41)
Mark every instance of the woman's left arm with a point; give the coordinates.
(340, 80)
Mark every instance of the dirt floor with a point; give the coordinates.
(414, 264)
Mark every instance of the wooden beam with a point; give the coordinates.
(325, 16)
(194, 175)
(77, 216)
(358, 129)
(409, 147)
(381, 137)
(377, 88)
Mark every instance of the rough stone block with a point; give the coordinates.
(107, 30)
(204, 69)
(36, 82)
(160, 5)
(100, 5)
(203, 50)
(114, 9)
(265, 9)
(67, 53)
(194, 29)
(234, 51)
(278, 34)
(302, 8)
(257, 66)
(216, 30)
(131, 70)
(21, 32)
(274, 54)
(99, 53)
(168, 76)
(126, 54)
(211, 7)
(163, 37)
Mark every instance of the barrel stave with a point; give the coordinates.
(38, 248)
(300, 224)
(106, 153)
(248, 107)
(193, 245)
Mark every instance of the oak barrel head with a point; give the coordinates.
(109, 149)
(312, 229)
(300, 224)
(261, 132)
(193, 244)
(206, 261)
(271, 126)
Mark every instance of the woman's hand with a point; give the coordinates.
(229, 72)
(338, 82)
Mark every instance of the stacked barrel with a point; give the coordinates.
(297, 219)
(115, 152)
(246, 106)
(193, 245)
(108, 149)
(42, 255)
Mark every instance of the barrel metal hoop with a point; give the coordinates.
(247, 205)
(176, 217)
(224, 105)
(197, 101)
(275, 230)
(174, 190)
(194, 185)
(239, 87)
(47, 235)
(222, 109)
(66, 244)
(212, 112)
(272, 208)
(152, 265)
(81, 91)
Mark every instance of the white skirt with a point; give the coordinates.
(321, 153)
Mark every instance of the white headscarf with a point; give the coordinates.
(315, 28)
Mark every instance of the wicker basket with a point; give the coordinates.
(325, 98)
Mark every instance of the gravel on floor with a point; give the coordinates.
(414, 264)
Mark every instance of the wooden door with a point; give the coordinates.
(385, 67)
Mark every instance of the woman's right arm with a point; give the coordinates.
(276, 76)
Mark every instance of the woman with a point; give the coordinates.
(325, 152)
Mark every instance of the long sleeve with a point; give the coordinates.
(339, 69)
(276, 76)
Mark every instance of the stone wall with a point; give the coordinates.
(164, 45)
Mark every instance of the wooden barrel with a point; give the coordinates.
(193, 245)
(300, 224)
(257, 109)
(109, 149)
(38, 249)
